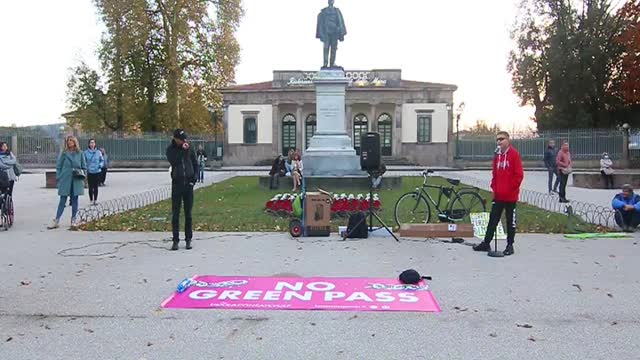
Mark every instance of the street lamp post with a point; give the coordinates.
(625, 144)
(459, 113)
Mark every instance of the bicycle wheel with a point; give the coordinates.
(10, 210)
(464, 204)
(4, 216)
(412, 208)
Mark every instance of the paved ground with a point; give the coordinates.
(71, 295)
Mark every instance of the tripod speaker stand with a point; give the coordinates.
(371, 213)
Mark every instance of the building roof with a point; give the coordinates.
(268, 85)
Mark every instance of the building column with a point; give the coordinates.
(275, 128)
(397, 130)
(299, 127)
(14, 145)
(373, 121)
(348, 119)
(225, 129)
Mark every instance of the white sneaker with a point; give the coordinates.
(54, 225)
(74, 223)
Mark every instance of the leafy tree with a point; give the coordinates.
(629, 80)
(163, 61)
(565, 61)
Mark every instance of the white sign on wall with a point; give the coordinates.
(356, 78)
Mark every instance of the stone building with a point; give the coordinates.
(414, 118)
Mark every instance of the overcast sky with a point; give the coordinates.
(462, 42)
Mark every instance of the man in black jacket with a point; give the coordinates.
(183, 177)
(550, 164)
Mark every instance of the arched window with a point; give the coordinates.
(385, 128)
(360, 127)
(311, 125)
(288, 133)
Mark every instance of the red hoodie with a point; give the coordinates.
(507, 175)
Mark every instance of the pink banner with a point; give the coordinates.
(269, 293)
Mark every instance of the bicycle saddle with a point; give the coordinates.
(454, 182)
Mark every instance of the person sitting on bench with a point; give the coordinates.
(627, 207)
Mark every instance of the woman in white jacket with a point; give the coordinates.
(606, 169)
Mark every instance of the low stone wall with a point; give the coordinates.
(331, 183)
(594, 180)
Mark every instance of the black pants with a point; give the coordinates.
(103, 176)
(11, 188)
(496, 213)
(553, 186)
(608, 180)
(181, 193)
(627, 218)
(564, 178)
(93, 180)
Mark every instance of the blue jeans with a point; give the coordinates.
(63, 202)
(553, 172)
(201, 173)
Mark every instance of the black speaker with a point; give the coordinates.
(370, 151)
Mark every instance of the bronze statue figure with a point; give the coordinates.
(330, 30)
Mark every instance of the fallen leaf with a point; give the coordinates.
(526, 326)
(259, 338)
(353, 317)
(313, 324)
(89, 331)
(25, 282)
(493, 335)
(614, 323)
(610, 295)
(532, 339)
(9, 339)
(577, 286)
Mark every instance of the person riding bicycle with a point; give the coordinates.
(505, 183)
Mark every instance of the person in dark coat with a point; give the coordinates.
(184, 166)
(550, 163)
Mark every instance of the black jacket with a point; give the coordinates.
(183, 164)
(550, 158)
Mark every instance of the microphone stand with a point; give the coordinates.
(495, 253)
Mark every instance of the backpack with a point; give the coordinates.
(4, 179)
(361, 231)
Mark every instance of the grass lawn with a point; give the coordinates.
(238, 205)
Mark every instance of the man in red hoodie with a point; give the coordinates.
(505, 183)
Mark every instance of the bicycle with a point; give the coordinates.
(6, 211)
(414, 208)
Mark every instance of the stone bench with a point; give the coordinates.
(360, 183)
(594, 180)
(52, 183)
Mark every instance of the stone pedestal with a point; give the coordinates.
(331, 152)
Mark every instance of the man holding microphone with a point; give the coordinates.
(183, 177)
(505, 184)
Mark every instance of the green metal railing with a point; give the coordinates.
(43, 149)
(585, 144)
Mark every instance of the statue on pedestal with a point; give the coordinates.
(330, 30)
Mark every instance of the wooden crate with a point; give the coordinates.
(436, 230)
